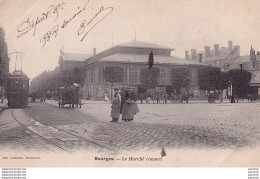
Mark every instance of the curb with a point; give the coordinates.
(3, 107)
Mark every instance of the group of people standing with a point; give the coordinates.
(124, 103)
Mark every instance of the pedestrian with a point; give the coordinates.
(148, 99)
(232, 99)
(163, 97)
(122, 93)
(166, 96)
(116, 102)
(130, 107)
(141, 96)
(157, 97)
(221, 98)
(106, 97)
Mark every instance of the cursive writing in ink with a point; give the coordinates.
(30, 24)
(85, 23)
(66, 22)
(47, 36)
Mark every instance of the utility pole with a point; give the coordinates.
(2, 94)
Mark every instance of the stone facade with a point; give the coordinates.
(228, 58)
(249, 63)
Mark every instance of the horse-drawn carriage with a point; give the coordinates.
(70, 95)
(215, 95)
(179, 98)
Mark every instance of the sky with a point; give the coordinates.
(179, 24)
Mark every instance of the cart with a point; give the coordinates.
(70, 96)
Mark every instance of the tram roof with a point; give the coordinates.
(18, 74)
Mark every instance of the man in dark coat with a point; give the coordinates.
(122, 93)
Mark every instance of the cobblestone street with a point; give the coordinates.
(156, 126)
(188, 132)
(175, 126)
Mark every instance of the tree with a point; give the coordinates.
(113, 74)
(211, 79)
(240, 79)
(149, 77)
(79, 75)
(4, 60)
(180, 78)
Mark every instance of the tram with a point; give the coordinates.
(17, 89)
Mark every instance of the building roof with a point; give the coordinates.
(75, 56)
(140, 58)
(139, 44)
(245, 58)
(223, 53)
(241, 59)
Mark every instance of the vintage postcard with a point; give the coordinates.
(140, 83)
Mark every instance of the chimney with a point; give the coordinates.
(193, 54)
(253, 56)
(200, 58)
(94, 51)
(216, 49)
(186, 54)
(237, 50)
(207, 51)
(230, 46)
(61, 51)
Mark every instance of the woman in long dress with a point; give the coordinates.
(106, 98)
(130, 107)
(116, 102)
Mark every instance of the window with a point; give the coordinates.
(90, 75)
(241, 65)
(133, 75)
(194, 76)
(101, 68)
(125, 75)
(100, 74)
(163, 76)
(258, 65)
(227, 66)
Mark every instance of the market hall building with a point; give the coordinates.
(132, 57)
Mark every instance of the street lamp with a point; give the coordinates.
(232, 99)
(231, 90)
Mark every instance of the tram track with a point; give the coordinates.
(54, 144)
(41, 137)
(87, 140)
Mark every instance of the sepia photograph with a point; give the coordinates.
(140, 83)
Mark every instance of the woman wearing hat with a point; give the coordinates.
(130, 107)
(116, 102)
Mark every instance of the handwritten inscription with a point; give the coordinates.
(47, 36)
(66, 22)
(103, 12)
(31, 24)
(84, 27)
